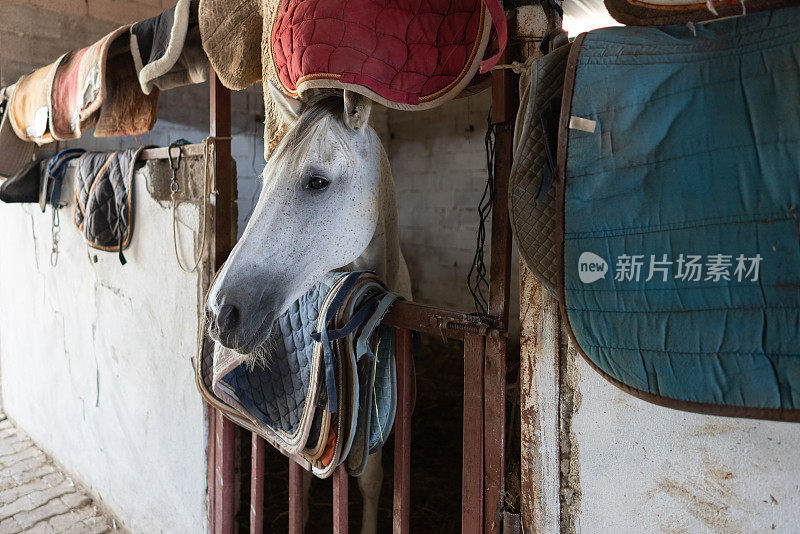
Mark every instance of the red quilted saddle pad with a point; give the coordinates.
(407, 54)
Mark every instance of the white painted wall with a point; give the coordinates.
(645, 468)
(598, 460)
(96, 360)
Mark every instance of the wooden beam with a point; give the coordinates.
(193, 150)
(437, 321)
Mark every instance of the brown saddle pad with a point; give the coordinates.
(29, 108)
(663, 12)
(15, 153)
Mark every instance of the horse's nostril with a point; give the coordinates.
(228, 317)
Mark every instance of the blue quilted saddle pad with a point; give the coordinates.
(277, 393)
(679, 212)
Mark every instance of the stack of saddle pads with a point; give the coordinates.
(670, 233)
(111, 85)
(326, 392)
(92, 87)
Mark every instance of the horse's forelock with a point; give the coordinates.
(323, 114)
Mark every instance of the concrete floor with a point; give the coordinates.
(36, 497)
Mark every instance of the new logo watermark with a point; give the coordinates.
(661, 268)
(591, 267)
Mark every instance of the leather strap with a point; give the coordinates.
(500, 25)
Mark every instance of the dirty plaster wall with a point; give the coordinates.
(596, 459)
(649, 468)
(95, 357)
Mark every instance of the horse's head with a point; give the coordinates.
(317, 212)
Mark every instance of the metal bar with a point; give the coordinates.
(472, 437)
(437, 321)
(504, 107)
(340, 500)
(224, 222)
(195, 149)
(224, 480)
(401, 514)
(258, 456)
(494, 431)
(224, 227)
(295, 498)
(211, 468)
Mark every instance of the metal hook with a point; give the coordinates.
(177, 159)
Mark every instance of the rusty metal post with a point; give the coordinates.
(258, 456)
(472, 436)
(295, 498)
(224, 236)
(211, 468)
(340, 500)
(224, 476)
(504, 109)
(539, 391)
(401, 514)
(539, 358)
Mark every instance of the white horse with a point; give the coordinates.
(327, 203)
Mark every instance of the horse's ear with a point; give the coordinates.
(356, 109)
(288, 107)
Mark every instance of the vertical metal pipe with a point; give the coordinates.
(340, 500)
(258, 456)
(472, 436)
(224, 236)
(401, 514)
(295, 498)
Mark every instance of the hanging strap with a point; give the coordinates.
(57, 169)
(549, 118)
(500, 25)
(209, 186)
(325, 338)
(363, 342)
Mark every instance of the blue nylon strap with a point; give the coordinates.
(57, 168)
(325, 338)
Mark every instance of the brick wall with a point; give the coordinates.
(439, 165)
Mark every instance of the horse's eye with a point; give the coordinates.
(317, 183)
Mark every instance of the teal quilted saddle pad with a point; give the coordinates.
(679, 201)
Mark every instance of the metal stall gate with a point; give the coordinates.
(484, 405)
